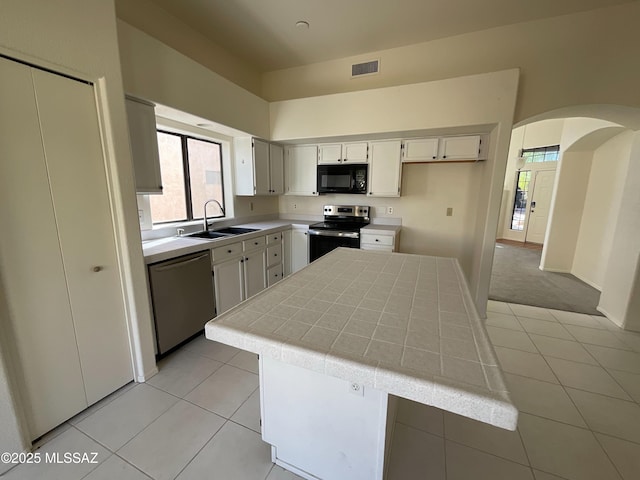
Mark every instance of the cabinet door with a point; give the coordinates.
(384, 169)
(32, 268)
(228, 284)
(357, 152)
(460, 148)
(261, 167)
(330, 154)
(276, 169)
(274, 275)
(255, 268)
(274, 255)
(299, 248)
(301, 170)
(144, 145)
(420, 150)
(73, 147)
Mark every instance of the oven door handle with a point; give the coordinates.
(331, 233)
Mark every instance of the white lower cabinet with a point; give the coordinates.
(296, 248)
(382, 238)
(61, 278)
(239, 273)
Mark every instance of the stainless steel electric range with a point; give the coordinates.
(341, 228)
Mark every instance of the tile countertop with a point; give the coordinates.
(404, 324)
(170, 247)
(378, 228)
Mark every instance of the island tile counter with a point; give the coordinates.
(395, 323)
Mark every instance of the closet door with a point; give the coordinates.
(31, 262)
(58, 261)
(75, 160)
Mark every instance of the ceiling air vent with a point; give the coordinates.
(366, 68)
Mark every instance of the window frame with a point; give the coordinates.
(540, 150)
(187, 178)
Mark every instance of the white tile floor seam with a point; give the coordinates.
(593, 418)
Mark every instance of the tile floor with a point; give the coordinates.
(574, 377)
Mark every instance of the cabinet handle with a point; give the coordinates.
(377, 240)
(255, 243)
(242, 260)
(275, 254)
(434, 157)
(444, 156)
(97, 268)
(229, 251)
(246, 259)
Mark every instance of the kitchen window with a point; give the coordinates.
(191, 170)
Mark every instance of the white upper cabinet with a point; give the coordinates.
(300, 169)
(460, 148)
(276, 169)
(329, 153)
(144, 145)
(420, 150)
(356, 152)
(384, 168)
(335, 153)
(256, 172)
(444, 149)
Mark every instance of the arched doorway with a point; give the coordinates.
(589, 230)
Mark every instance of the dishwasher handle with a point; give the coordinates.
(180, 263)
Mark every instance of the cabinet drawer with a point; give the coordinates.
(274, 275)
(274, 238)
(274, 255)
(253, 243)
(380, 248)
(228, 251)
(373, 239)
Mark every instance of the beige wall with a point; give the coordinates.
(156, 72)
(580, 137)
(601, 206)
(564, 61)
(427, 191)
(484, 102)
(621, 285)
(148, 17)
(78, 37)
(570, 191)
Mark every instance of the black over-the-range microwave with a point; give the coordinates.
(343, 178)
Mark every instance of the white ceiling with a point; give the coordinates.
(263, 32)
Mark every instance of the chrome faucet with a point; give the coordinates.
(206, 223)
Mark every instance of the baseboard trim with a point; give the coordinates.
(588, 282)
(147, 375)
(553, 270)
(609, 316)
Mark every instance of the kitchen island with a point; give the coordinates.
(342, 338)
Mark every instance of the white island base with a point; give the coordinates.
(322, 427)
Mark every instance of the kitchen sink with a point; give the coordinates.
(223, 232)
(210, 234)
(235, 230)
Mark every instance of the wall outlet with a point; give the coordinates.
(449, 212)
(251, 206)
(295, 206)
(389, 210)
(356, 389)
(141, 216)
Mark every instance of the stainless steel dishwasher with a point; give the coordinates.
(182, 297)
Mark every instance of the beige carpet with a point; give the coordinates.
(516, 278)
